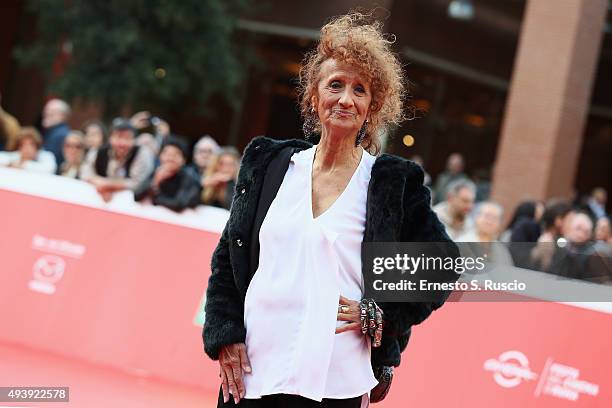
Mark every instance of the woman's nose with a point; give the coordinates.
(346, 99)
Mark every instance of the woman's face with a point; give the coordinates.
(488, 220)
(202, 154)
(73, 149)
(602, 229)
(93, 137)
(172, 158)
(28, 149)
(343, 98)
(227, 165)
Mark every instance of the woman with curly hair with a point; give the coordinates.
(285, 314)
(219, 179)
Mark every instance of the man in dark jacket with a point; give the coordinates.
(171, 185)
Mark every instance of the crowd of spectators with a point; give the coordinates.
(139, 153)
(569, 239)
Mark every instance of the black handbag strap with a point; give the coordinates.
(275, 173)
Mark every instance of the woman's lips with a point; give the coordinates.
(343, 113)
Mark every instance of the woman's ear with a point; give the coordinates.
(314, 102)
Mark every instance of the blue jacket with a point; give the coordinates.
(53, 141)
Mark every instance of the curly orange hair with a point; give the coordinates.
(355, 40)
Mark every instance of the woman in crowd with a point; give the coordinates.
(299, 333)
(94, 133)
(220, 178)
(554, 224)
(74, 153)
(603, 232)
(203, 151)
(29, 155)
(524, 224)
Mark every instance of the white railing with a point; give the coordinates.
(81, 193)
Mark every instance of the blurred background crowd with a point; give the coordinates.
(139, 153)
(570, 238)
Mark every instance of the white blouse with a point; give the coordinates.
(291, 305)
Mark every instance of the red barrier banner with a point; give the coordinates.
(507, 355)
(118, 288)
(95, 282)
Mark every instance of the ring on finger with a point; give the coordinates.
(363, 317)
(343, 309)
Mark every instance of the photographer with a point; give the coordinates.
(144, 122)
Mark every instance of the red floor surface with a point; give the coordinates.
(92, 386)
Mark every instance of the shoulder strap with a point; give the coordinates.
(272, 181)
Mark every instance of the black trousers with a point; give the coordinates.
(289, 401)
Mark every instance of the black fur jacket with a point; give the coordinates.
(398, 209)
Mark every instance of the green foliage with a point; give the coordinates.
(139, 52)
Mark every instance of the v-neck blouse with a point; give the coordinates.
(291, 305)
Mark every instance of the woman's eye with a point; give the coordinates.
(335, 84)
(360, 89)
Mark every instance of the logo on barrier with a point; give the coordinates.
(58, 246)
(510, 369)
(557, 380)
(47, 270)
(563, 381)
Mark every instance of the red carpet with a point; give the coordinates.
(92, 386)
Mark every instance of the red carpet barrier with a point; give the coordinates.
(96, 282)
(507, 355)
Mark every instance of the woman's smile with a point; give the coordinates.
(341, 113)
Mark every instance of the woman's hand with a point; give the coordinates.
(349, 311)
(15, 165)
(211, 181)
(162, 173)
(140, 120)
(216, 179)
(233, 363)
(371, 323)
